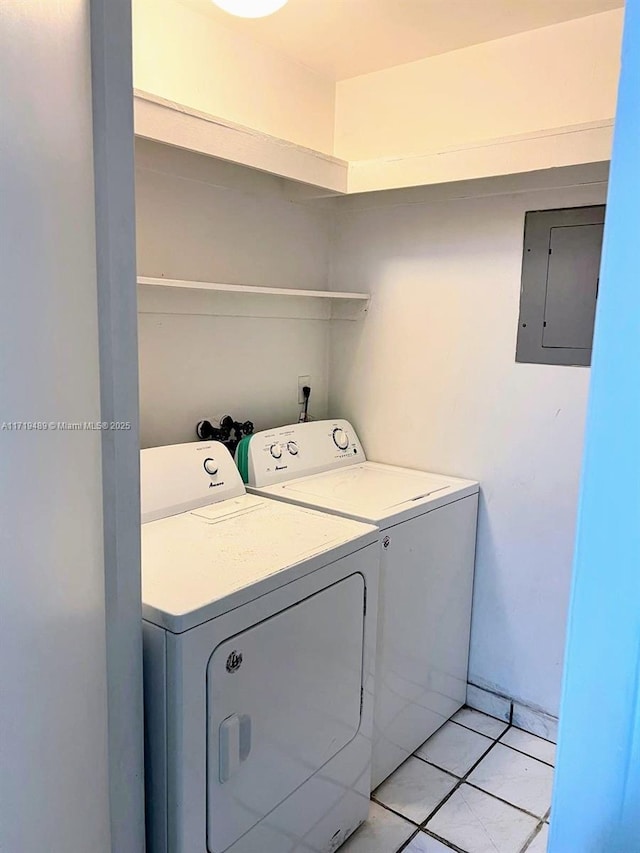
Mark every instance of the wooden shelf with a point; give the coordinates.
(181, 126)
(248, 300)
(519, 154)
(184, 127)
(250, 288)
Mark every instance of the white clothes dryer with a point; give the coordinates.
(259, 643)
(428, 534)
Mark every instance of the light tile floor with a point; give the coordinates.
(477, 786)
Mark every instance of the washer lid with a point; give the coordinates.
(373, 491)
(202, 563)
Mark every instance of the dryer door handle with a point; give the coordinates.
(234, 743)
(245, 736)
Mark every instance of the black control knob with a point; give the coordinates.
(340, 439)
(210, 466)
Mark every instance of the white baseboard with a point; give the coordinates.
(536, 722)
(504, 708)
(489, 703)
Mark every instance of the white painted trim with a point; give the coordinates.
(250, 288)
(531, 720)
(542, 180)
(535, 722)
(114, 181)
(489, 703)
(172, 296)
(176, 124)
(544, 149)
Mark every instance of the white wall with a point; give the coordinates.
(430, 381)
(185, 56)
(551, 77)
(429, 378)
(203, 219)
(54, 791)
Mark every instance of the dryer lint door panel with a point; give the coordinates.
(283, 697)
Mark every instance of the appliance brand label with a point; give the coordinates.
(234, 661)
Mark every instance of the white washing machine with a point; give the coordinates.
(428, 535)
(259, 644)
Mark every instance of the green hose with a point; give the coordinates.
(242, 457)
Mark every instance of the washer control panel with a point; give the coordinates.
(181, 477)
(299, 450)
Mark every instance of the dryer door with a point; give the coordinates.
(283, 697)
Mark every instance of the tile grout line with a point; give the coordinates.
(506, 802)
(447, 844)
(422, 827)
(500, 737)
(461, 781)
(536, 832)
(531, 734)
(450, 844)
(469, 729)
(405, 844)
(522, 752)
(512, 705)
(394, 812)
(482, 713)
(450, 772)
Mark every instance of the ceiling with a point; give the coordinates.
(344, 38)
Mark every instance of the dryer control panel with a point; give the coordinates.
(299, 450)
(181, 477)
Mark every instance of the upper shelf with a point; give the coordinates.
(255, 301)
(185, 127)
(181, 126)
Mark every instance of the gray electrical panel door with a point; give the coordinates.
(560, 274)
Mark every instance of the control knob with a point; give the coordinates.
(340, 439)
(276, 450)
(210, 466)
(292, 447)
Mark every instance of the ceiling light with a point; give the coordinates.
(250, 8)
